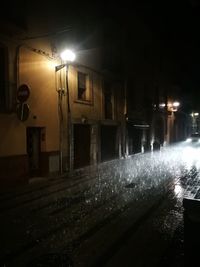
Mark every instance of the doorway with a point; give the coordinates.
(134, 140)
(33, 149)
(81, 145)
(109, 145)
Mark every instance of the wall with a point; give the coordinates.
(37, 71)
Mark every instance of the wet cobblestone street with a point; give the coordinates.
(114, 214)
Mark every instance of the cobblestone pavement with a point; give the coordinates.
(88, 216)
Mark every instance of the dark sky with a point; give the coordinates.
(176, 23)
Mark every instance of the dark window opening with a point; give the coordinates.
(134, 139)
(81, 145)
(82, 86)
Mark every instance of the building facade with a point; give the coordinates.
(54, 120)
(59, 116)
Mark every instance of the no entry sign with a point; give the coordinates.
(23, 93)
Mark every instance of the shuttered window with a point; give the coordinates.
(82, 85)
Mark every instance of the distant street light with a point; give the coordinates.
(176, 104)
(171, 106)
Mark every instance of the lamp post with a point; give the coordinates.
(66, 57)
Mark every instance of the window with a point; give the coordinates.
(3, 73)
(82, 85)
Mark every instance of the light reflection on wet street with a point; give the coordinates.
(159, 239)
(165, 227)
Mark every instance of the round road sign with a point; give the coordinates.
(23, 93)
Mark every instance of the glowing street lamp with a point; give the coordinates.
(68, 55)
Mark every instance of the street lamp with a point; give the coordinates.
(173, 106)
(66, 57)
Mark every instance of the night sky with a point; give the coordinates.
(176, 23)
